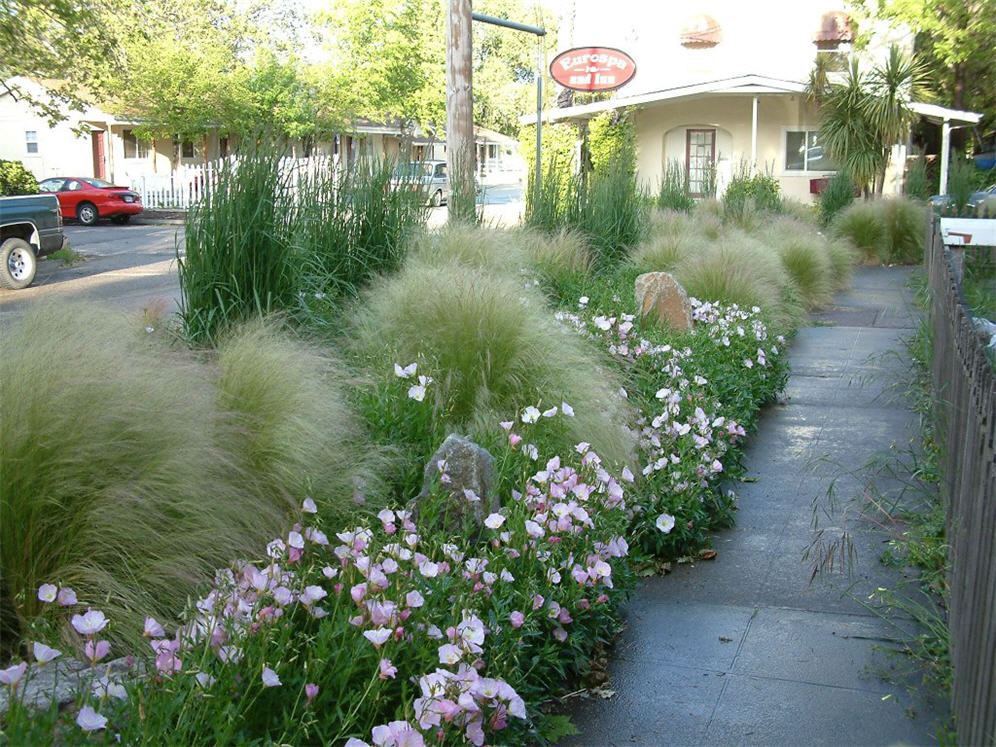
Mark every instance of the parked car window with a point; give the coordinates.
(72, 186)
(51, 185)
(100, 183)
(440, 170)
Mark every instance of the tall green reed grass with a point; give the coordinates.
(673, 191)
(274, 232)
(240, 257)
(606, 204)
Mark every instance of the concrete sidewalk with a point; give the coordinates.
(742, 649)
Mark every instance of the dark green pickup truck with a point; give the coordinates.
(30, 227)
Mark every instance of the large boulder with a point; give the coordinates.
(463, 472)
(661, 298)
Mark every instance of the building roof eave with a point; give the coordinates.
(743, 84)
(940, 114)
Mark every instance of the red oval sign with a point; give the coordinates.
(593, 68)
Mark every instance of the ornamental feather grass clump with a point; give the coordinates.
(491, 344)
(673, 236)
(804, 258)
(289, 423)
(740, 269)
(887, 230)
(113, 479)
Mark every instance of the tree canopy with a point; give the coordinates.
(956, 40)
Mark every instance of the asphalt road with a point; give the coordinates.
(130, 267)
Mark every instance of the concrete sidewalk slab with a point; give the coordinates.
(743, 649)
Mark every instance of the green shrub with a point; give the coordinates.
(492, 347)
(114, 479)
(15, 179)
(885, 230)
(671, 236)
(839, 193)
(749, 193)
(469, 246)
(905, 229)
(610, 208)
(557, 257)
(673, 192)
(290, 425)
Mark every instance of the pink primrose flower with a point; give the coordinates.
(665, 523)
(96, 650)
(567, 409)
(387, 670)
(90, 623)
(449, 654)
(89, 720)
(310, 691)
(514, 439)
(66, 597)
(270, 678)
(378, 636)
(560, 634)
(538, 601)
(312, 594)
(309, 506)
(494, 521)
(517, 619)
(414, 599)
(406, 372)
(44, 654)
(47, 592)
(13, 674)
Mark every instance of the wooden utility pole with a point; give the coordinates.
(460, 150)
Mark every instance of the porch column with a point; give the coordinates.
(945, 154)
(753, 136)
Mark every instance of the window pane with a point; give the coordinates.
(816, 157)
(31, 141)
(128, 140)
(795, 151)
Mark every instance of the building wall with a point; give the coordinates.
(661, 131)
(60, 150)
(766, 37)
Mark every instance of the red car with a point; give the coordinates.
(88, 199)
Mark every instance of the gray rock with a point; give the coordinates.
(458, 466)
(60, 681)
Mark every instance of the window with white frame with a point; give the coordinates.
(133, 147)
(804, 151)
(31, 141)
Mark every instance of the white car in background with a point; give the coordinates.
(429, 176)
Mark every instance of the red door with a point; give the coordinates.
(97, 143)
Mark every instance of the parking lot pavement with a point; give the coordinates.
(131, 267)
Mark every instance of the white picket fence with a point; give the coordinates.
(180, 189)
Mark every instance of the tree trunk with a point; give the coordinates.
(958, 102)
(460, 112)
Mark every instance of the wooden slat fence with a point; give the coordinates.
(965, 397)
